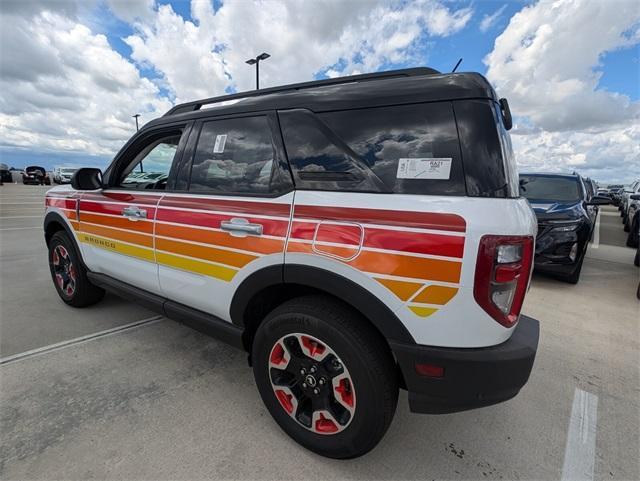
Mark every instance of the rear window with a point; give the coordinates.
(548, 188)
(408, 149)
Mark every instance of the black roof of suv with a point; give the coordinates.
(389, 88)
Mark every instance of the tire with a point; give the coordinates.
(69, 274)
(362, 356)
(632, 238)
(574, 277)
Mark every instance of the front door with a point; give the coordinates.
(117, 223)
(233, 219)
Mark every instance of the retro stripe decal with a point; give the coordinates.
(192, 265)
(417, 256)
(115, 246)
(212, 254)
(404, 290)
(417, 250)
(260, 245)
(422, 220)
(391, 264)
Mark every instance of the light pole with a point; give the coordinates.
(256, 61)
(136, 117)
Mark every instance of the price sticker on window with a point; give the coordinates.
(218, 147)
(436, 168)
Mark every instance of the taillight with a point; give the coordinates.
(502, 276)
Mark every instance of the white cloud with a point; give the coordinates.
(547, 63)
(81, 101)
(199, 59)
(489, 21)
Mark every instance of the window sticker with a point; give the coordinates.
(218, 147)
(438, 168)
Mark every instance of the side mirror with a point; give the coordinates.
(635, 197)
(599, 200)
(87, 178)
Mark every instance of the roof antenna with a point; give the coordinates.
(457, 65)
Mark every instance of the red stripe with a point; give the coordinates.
(125, 197)
(255, 208)
(422, 220)
(61, 203)
(113, 209)
(433, 244)
(270, 227)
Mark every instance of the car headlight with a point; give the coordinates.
(564, 226)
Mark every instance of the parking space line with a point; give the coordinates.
(78, 340)
(21, 228)
(596, 233)
(579, 454)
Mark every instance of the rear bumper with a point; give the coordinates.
(472, 377)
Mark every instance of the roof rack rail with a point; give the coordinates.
(408, 72)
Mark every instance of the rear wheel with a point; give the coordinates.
(326, 377)
(69, 275)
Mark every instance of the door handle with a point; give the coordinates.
(134, 213)
(240, 227)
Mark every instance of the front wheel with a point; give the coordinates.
(327, 378)
(69, 275)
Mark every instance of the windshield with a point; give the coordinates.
(557, 189)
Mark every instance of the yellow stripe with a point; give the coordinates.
(422, 311)
(192, 265)
(119, 247)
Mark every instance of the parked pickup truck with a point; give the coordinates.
(354, 235)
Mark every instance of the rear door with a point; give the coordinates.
(117, 223)
(229, 218)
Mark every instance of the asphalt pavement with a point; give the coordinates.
(161, 401)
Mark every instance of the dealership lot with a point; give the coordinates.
(157, 400)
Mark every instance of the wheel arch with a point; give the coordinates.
(55, 222)
(267, 288)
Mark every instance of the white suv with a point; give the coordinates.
(354, 235)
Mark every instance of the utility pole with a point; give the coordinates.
(136, 117)
(256, 62)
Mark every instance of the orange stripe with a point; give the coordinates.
(131, 237)
(393, 264)
(249, 243)
(436, 295)
(74, 224)
(70, 214)
(404, 290)
(207, 253)
(121, 222)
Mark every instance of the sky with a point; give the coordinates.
(73, 72)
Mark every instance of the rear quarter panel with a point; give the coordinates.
(416, 253)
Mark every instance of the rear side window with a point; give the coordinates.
(489, 165)
(234, 156)
(408, 149)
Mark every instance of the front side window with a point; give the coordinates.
(550, 188)
(408, 149)
(150, 167)
(234, 156)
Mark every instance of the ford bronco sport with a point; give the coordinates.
(355, 236)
